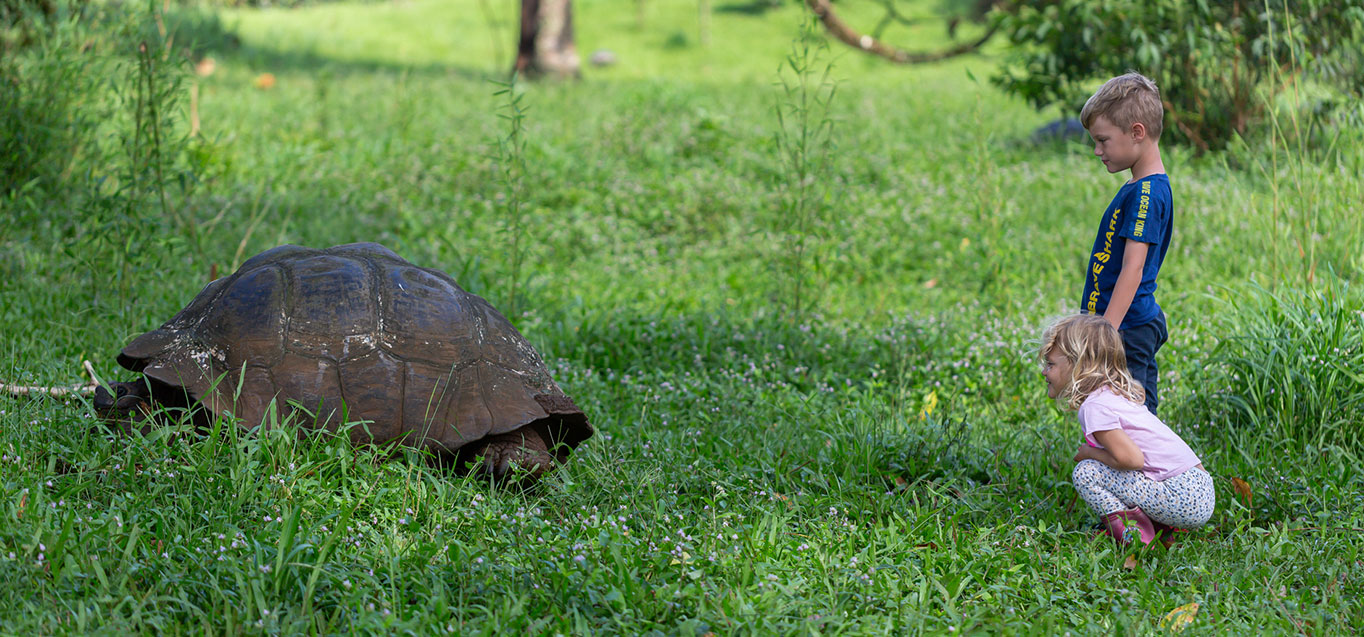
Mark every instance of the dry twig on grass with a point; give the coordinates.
(83, 389)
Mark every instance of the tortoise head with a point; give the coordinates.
(123, 403)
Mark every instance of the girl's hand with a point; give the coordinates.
(1117, 451)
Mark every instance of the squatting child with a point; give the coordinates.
(1125, 119)
(1132, 469)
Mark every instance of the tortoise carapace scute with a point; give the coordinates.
(355, 333)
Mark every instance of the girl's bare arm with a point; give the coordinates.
(1118, 452)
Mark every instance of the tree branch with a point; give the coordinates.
(846, 34)
(891, 16)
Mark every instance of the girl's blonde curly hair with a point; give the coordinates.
(1094, 349)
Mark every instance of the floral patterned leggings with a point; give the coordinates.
(1185, 501)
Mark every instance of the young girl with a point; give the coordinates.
(1131, 468)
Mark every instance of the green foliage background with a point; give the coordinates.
(889, 463)
(1220, 65)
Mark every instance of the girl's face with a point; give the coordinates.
(1057, 371)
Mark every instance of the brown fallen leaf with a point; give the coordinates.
(1242, 489)
(1178, 618)
(23, 500)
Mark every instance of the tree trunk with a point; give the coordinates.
(546, 47)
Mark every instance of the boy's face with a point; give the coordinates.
(1118, 148)
(1057, 372)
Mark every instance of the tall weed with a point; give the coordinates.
(1290, 368)
(1304, 153)
(511, 176)
(805, 147)
(137, 222)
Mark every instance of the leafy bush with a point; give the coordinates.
(1214, 61)
(263, 4)
(84, 85)
(92, 150)
(46, 84)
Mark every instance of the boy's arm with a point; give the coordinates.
(1129, 278)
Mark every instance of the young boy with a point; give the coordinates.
(1125, 119)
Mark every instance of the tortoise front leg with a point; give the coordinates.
(522, 451)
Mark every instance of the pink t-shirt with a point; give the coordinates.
(1167, 455)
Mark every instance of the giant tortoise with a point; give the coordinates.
(354, 334)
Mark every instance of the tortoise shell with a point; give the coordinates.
(355, 333)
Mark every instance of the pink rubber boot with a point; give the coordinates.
(1124, 526)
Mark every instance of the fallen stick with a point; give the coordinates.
(55, 392)
(90, 369)
(84, 389)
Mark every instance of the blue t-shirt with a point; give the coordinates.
(1143, 211)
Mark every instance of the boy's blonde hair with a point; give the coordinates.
(1094, 349)
(1126, 100)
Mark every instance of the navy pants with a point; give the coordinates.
(1142, 342)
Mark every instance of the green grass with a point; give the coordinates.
(888, 464)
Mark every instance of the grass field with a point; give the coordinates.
(881, 459)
